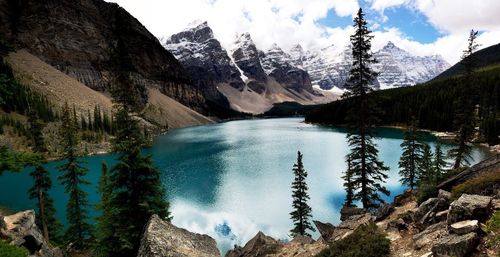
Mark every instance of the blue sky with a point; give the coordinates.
(421, 27)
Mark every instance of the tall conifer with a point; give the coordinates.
(301, 210)
(411, 157)
(368, 172)
(79, 231)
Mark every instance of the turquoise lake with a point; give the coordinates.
(232, 179)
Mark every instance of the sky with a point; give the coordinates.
(422, 27)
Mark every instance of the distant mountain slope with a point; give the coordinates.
(92, 41)
(245, 78)
(486, 57)
(330, 67)
(61, 88)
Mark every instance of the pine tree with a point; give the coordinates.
(439, 163)
(45, 217)
(425, 167)
(36, 127)
(301, 210)
(104, 232)
(465, 119)
(137, 191)
(411, 157)
(72, 177)
(348, 185)
(368, 172)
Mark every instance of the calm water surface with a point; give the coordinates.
(232, 179)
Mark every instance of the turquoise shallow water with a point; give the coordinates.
(232, 179)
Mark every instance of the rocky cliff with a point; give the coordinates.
(93, 41)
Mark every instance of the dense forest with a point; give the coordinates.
(434, 104)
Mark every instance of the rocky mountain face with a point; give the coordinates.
(279, 65)
(329, 67)
(250, 79)
(204, 59)
(93, 41)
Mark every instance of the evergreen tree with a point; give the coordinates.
(425, 167)
(72, 177)
(137, 191)
(411, 157)
(348, 185)
(45, 217)
(104, 232)
(368, 172)
(465, 119)
(301, 210)
(439, 162)
(36, 127)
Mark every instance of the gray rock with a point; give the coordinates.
(429, 235)
(444, 194)
(455, 245)
(326, 230)
(21, 229)
(427, 211)
(348, 211)
(470, 207)
(383, 212)
(302, 240)
(161, 239)
(348, 226)
(464, 227)
(259, 246)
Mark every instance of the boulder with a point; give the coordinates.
(426, 212)
(429, 235)
(348, 211)
(326, 230)
(455, 245)
(259, 246)
(442, 194)
(21, 229)
(161, 238)
(470, 207)
(404, 198)
(348, 226)
(302, 240)
(383, 211)
(464, 227)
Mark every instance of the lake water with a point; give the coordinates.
(232, 179)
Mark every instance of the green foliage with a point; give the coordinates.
(368, 172)
(348, 185)
(45, 217)
(483, 184)
(425, 169)
(136, 191)
(425, 191)
(439, 164)
(79, 231)
(411, 157)
(493, 229)
(432, 103)
(301, 210)
(104, 232)
(13, 161)
(7, 250)
(366, 241)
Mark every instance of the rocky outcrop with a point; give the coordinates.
(94, 41)
(383, 211)
(161, 239)
(491, 165)
(21, 229)
(259, 246)
(348, 211)
(406, 197)
(455, 245)
(427, 211)
(469, 207)
(345, 227)
(464, 227)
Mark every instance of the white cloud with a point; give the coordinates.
(288, 22)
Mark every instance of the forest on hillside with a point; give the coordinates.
(433, 104)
